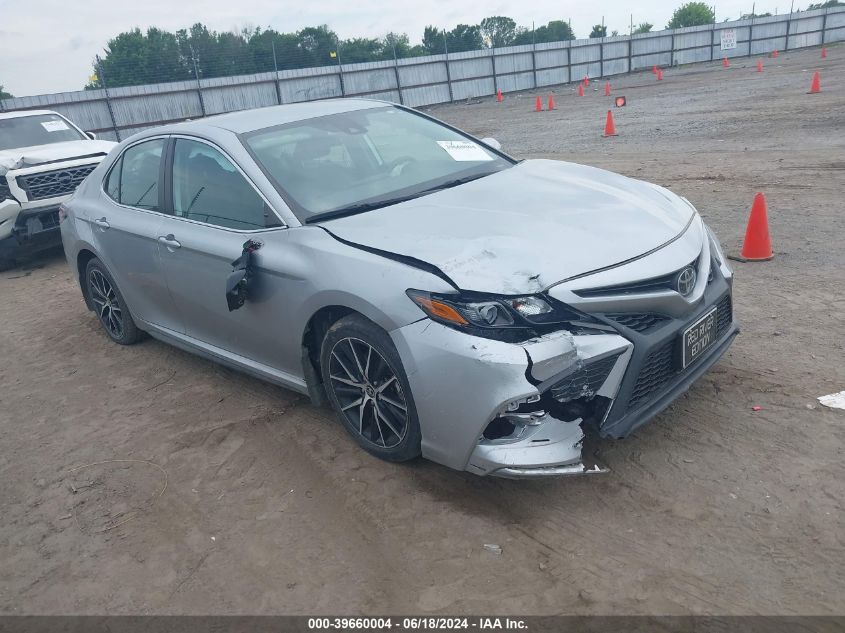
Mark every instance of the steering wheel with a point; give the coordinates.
(398, 165)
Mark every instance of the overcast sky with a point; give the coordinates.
(47, 45)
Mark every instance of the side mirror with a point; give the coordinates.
(492, 142)
(238, 282)
(236, 286)
(91, 135)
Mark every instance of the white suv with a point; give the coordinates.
(43, 159)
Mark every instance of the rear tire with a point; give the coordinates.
(109, 305)
(368, 388)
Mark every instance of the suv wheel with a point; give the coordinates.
(368, 388)
(109, 305)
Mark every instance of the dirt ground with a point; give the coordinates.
(243, 498)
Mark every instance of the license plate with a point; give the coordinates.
(698, 338)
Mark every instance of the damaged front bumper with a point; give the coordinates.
(517, 410)
(27, 230)
(489, 407)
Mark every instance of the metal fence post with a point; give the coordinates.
(534, 54)
(199, 85)
(108, 100)
(396, 73)
(340, 68)
(493, 58)
(824, 26)
(276, 69)
(751, 31)
(448, 72)
(601, 47)
(672, 50)
(712, 34)
(789, 25)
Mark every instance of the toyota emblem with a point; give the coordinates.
(685, 281)
(65, 178)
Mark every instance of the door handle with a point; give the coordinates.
(169, 241)
(102, 223)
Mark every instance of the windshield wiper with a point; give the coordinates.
(371, 205)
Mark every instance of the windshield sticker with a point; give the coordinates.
(54, 126)
(464, 151)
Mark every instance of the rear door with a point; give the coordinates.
(125, 225)
(215, 210)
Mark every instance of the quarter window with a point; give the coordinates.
(208, 188)
(133, 180)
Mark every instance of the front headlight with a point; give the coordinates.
(503, 318)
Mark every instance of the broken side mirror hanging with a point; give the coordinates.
(237, 285)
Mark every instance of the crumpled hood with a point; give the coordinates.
(21, 157)
(525, 228)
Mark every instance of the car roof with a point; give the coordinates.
(249, 120)
(20, 113)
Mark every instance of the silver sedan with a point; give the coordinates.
(445, 299)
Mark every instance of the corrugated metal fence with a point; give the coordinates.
(419, 81)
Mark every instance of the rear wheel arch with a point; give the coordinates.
(82, 258)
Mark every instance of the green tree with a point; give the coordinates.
(433, 39)
(362, 49)
(4, 94)
(498, 30)
(748, 16)
(825, 5)
(465, 37)
(554, 31)
(599, 31)
(134, 57)
(691, 14)
(318, 43)
(643, 27)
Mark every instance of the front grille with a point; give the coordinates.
(50, 184)
(584, 382)
(658, 368)
(655, 284)
(638, 322)
(725, 316)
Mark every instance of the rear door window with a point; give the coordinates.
(134, 179)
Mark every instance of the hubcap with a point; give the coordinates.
(105, 300)
(369, 393)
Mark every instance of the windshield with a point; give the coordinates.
(38, 129)
(360, 160)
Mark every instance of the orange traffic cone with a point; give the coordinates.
(538, 105)
(725, 62)
(609, 126)
(816, 86)
(654, 70)
(757, 245)
(580, 90)
(824, 53)
(551, 102)
(499, 95)
(759, 65)
(659, 74)
(586, 80)
(775, 53)
(607, 89)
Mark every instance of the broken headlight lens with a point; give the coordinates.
(506, 318)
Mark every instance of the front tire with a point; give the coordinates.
(109, 305)
(367, 387)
